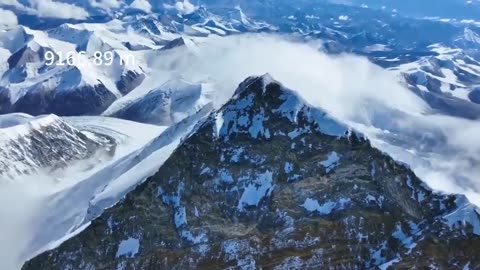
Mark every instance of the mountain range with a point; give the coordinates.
(159, 160)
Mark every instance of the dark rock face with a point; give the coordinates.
(153, 109)
(87, 100)
(26, 55)
(270, 182)
(178, 42)
(129, 81)
(5, 104)
(474, 95)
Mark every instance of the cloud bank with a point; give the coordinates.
(9, 19)
(442, 150)
(53, 9)
(141, 5)
(13, 3)
(183, 7)
(106, 4)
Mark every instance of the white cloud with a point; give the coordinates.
(106, 4)
(183, 7)
(53, 9)
(13, 3)
(186, 7)
(442, 150)
(19, 213)
(9, 19)
(142, 5)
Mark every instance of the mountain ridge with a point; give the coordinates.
(258, 184)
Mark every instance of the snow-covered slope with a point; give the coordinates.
(170, 103)
(44, 143)
(29, 85)
(13, 119)
(446, 80)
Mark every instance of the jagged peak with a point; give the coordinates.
(258, 98)
(471, 36)
(179, 42)
(76, 34)
(241, 16)
(265, 79)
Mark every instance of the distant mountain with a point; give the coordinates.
(37, 85)
(459, 9)
(269, 181)
(34, 84)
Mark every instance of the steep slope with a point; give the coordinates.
(30, 144)
(269, 181)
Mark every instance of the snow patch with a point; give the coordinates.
(256, 191)
(288, 168)
(331, 162)
(128, 248)
(326, 208)
(466, 213)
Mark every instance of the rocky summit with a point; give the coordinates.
(270, 182)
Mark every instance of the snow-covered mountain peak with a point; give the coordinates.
(240, 16)
(70, 33)
(89, 88)
(264, 80)
(471, 36)
(261, 99)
